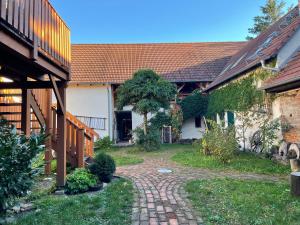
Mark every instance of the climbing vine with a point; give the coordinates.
(194, 105)
(239, 96)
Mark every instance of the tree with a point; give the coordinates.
(147, 92)
(194, 105)
(271, 12)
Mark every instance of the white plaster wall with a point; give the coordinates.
(276, 113)
(288, 50)
(248, 134)
(189, 131)
(89, 101)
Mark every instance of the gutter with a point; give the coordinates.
(273, 69)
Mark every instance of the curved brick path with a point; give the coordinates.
(161, 198)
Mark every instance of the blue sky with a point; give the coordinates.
(151, 21)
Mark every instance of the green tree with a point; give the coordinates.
(147, 92)
(194, 105)
(271, 12)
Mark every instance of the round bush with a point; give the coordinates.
(80, 181)
(103, 167)
(149, 142)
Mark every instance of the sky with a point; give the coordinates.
(158, 21)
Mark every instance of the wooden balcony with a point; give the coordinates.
(33, 31)
(35, 57)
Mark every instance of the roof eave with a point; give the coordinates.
(282, 86)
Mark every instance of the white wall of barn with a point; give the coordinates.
(90, 101)
(190, 131)
(96, 101)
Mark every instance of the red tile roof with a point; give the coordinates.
(288, 76)
(178, 62)
(264, 47)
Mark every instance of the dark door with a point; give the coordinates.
(124, 125)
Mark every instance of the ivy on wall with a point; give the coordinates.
(194, 105)
(239, 96)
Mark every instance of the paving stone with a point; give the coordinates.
(161, 198)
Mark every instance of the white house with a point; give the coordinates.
(98, 70)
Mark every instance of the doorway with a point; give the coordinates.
(124, 125)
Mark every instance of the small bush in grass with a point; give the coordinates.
(149, 142)
(103, 144)
(220, 142)
(103, 167)
(80, 181)
(16, 154)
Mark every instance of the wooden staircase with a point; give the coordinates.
(80, 138)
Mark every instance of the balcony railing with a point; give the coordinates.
(38, 23)
(96, 123)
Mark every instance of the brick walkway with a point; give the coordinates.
(161, 198)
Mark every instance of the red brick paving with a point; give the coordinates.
(161, 198)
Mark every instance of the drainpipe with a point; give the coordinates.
(110, 112)
(273, 69)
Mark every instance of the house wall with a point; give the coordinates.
(289, 109)
(288, 49)
(97, 101)
(90, 101)
(189, 131)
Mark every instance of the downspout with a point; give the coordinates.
(273, 69)
(110, 112)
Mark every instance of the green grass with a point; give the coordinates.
(127, 160)
(132, 155)
(243, 162)
(243, 202)
(112, 206)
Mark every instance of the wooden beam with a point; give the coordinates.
(60, 104)
(61, 139)
(26, 85)
(49, 131)
(37, 111)
(25, 116)
(80, 148)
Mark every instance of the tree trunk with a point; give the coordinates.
(145, 124)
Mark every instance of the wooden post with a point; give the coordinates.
(61, 140)
(49, 130)
(295, 183)
(25, 116)
(80, 148)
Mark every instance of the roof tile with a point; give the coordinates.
(264, 47)
(177, 62)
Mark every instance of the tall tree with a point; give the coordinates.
(147, 92)
(271, 12)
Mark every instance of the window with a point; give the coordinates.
(198, 122)
(230, 117)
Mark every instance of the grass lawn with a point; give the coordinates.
(244, 162)
(111, 206)
(131, 155)
(127, 160)
(243, 202)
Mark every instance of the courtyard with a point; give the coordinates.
(160, 188)
(149, 112)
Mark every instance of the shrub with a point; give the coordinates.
(103, 144)
(220, 142)
(103, 167)
(16, 155)
(149, 142)
(80, 181)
